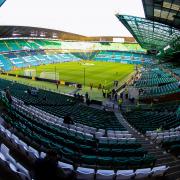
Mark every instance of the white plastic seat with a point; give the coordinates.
(111, 135)
(166, 138)
(79, 129)
(99, 134)
(124, 132)
(15, 142)
(101, 130)
(68, 168)
(142, 173)
(103, 140)
(85, 173)
(118, 132)
(110, 132)
(119, 135)
(112, 140)
(42, 155)
(124, 174)
(7, 134)
(4, 149)
(166, 133)
(9, 158)
(159, 171)
(22, 148)
(73, 130)
(154, 135)
(23, 176)
(3, 161)
(105, 174)
(23, 170)
(127, 135)
(14, 137)
(148, 133)
(2, 128)
(22, 143)
(32, 154)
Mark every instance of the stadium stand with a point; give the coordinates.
(31, 52)
(60, 105)
(139, 141)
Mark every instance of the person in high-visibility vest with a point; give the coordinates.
(120, 101)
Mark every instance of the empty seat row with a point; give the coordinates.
(81, 172)
(76, 127)
(10, 165)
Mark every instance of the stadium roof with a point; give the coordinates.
(2, 2)
(163, 11)
(24, 31)
(149, 34)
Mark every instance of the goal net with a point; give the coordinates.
(49, 75)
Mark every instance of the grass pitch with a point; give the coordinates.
(103, 73)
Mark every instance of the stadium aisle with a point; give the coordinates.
(154, 149)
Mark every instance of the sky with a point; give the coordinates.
(84, 17)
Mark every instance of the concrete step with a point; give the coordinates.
(173, 175)
(160, 153)
(164, 160)
(174, 168)
(173, 163)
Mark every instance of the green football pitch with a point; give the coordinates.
(87, 72)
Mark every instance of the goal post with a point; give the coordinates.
(30, 72)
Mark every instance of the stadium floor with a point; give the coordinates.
(98, 73)
(88, 72)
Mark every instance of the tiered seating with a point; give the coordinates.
(9, 165)
(60, 105)
(122, 57)
(152, 120)
(4, 63)
(161, 90)
(33, 58)
(169, 139)
(154, 82)
(76, 147)
(3, 47)
(154, 77)
(14, 48)
(172, 68)
(100, 134)
(81, 172)
(13, 45)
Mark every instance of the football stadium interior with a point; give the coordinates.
(102, 107)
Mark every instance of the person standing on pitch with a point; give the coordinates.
(57, 85)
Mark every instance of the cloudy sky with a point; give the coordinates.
(85, 17)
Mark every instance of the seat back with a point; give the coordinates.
(142, 173)
(105, 175)
(68, 168)
(159, 171)
(124, 174)
(85, 173)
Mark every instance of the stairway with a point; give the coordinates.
(163, 158)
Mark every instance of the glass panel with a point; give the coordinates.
(157, 12)
(166, 4)
(175, 7)
(164, 14)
